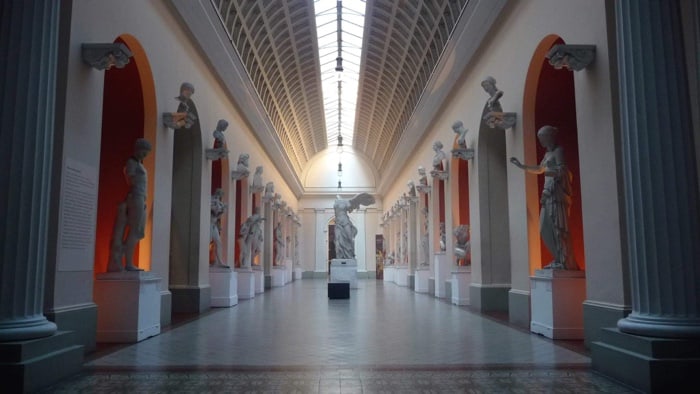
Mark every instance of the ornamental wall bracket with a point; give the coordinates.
(216, 153)
(237, 175)
(441, 175)
(463, 153)
(105, 56)
(423, 189)
(501, 120)
(571, 57)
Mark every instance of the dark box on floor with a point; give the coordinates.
(338, 290)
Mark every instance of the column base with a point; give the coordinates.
(82, 320)
(128, 306)
(422, 278)
(224, 287)
(26, 366)
(557, 303)
(647, 363)
(519, 308)
(389, 273)
(461, 279)
(298, 273)
(190, 299)
(489, 297)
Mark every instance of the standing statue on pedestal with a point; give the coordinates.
(425, 239)
(443, 237)
(250, 238)
(345, 231)
(462, 245)
(218, 208)
(555, 201)
(279, 244)
(130, 223)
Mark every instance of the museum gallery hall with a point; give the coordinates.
(353, 196)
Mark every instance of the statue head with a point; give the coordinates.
(186, 90)
(243, 159)
(421, 171)
(458, 127)
(437, 145)
(141, 148)
(259, 170)
(489, 85)
(221, 125)
(219, 193)
(547, 135)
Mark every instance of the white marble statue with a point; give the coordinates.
(250, 238)
(411, 189)
(217, 208)
(440, 158)
(219, 151)
(493, 103)
(257, 185)
(443, 238)
(425, 239)
(241, 170)
(269, 194)
(462, 245)
(555, 201)
(464, 148)
(130, 223)
(345, 231)
(279, 244)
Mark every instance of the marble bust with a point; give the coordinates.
(241, 170)
(257, 185)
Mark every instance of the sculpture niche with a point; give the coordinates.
(555, 201)
(345, 231)
(130, 223)
(250, 239)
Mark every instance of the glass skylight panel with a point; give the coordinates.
(352, 27)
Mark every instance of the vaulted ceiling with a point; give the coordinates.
(276, 41)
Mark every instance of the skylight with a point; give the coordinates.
(340, 118)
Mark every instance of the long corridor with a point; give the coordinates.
(385, 338)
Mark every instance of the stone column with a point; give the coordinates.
(412, 235)
(28, 44)
(660, 173)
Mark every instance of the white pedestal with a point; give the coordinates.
(401, 275)
(288, 270)
(344, 271)
(389, 273)
(278, 275)
(259, 280)
(422, 279)
(128, 306)
(297, 273)
(224, 287)
(442, 273)
(556, 303)
(246, 284)
(461, 280)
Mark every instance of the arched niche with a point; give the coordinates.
(460, 195)
(220, 179)
(549, 99)
(128, 113)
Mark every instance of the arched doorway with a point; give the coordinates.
(128, 113)
(550, 100)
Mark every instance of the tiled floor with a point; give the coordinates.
(385, 338)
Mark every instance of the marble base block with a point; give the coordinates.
(224, 287)
(401, 275)
(443, 268)
(246, 284)
(422, 279)
(344, 271)
(556, 303)
(128, 305)
(259, 276)
(461, 279)
(298, 272)
(278, 275)
(389, 273)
